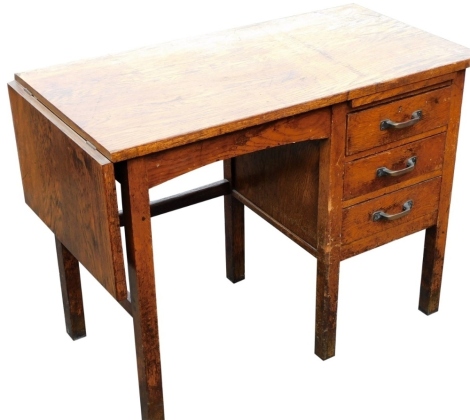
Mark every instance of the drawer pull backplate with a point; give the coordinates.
(415, 117)
(380, 215)
(410, 165)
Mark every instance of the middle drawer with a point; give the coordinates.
(395, 166)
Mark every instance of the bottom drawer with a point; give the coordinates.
(386, 218)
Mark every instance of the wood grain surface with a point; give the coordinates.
(360, 177)
(436, 236)
(156, 98)
(364, 130)
(404, 90)
(71, 187)
(167, 164)
(234, 217)
(330, 192)
(384, 237)
(71, 287)
(290, 199)
(137, 225)
(357, 220)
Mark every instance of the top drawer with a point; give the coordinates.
(367, 129)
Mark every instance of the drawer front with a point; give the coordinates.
(359, 221)
(408, 162)
(367, 129)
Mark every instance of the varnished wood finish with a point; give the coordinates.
(292, 199)
(435, 242)
(170, 163)
(135, 200)
(292, 106)
(234, 215)
(188, 198)
(357, 220)
(71, 187)
(404, 90)
(127, 304)
(397, 143)
(388, 235)
(329, 233)
(431, 275)
(360, 177)
(156, 98)
(297, 239)
(364, 126)
(71, 287)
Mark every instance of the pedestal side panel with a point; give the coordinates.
(283, 183)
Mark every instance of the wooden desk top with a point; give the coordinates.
(155, 98)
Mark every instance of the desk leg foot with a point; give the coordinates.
(326, 307)
(433, 264)
(71, 292)
(234, 231)
(135, 200)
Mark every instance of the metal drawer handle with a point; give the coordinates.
(379, 215)
(410, 165)
(415, 117)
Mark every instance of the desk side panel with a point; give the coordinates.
(71, 187)
(283, 183)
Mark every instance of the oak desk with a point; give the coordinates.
(338, 127)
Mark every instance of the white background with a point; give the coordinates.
(229, 352)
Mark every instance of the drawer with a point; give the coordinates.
(368, 128)
(409, 162)
(359, 221)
